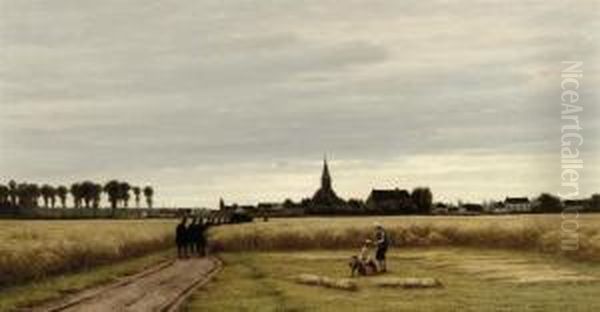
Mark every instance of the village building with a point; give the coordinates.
(575, 205)
(390, 201)
(440, 209)
(517, 205)
(470, 209)
(498, 208)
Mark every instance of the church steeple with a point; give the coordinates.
(325, 199)
(325, 177)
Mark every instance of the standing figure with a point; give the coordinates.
(180, 238)
(190, 237)
(196, 237)
(201, 239)
(382, 241)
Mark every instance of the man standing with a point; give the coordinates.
(181, 239)
(192, 237)
(201, 242)
(382, 241)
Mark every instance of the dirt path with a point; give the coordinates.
(160, 288)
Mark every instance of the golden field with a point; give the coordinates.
(545, 233)
(32, 250)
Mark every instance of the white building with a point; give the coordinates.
(517, 204)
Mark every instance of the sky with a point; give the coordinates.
(242, 99)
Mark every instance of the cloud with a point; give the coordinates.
(148, 90)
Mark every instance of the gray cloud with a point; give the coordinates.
(147, 90)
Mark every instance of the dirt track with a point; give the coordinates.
(161, 288)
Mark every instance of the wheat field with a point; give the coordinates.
(543, 233)
(32, 250)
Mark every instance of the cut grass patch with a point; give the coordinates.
(499, 266)
(240, 288)
(244, 285)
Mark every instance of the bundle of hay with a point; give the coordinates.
(411, 282)
(324, 281)
(309, 279)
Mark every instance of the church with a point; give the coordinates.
(325, 199)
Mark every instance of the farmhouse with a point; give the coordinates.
(498, 208)
(575, 204)
(517, 204)
(470, 209)
(440, 209)
(395, 200)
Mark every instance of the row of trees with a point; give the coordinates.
(422, 200)
(86, 194)
(548, 203)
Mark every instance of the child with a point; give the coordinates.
(366, 259)
(364, 251)
(363, 263)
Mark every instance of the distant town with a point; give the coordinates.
(22, 200)
(399, 201)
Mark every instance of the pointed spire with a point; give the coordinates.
(325, 177)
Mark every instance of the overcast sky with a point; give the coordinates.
(241, 99)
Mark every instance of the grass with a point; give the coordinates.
(487, 263)
(520, 232)
(265, 282)
(22, 296)
(34, 250)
